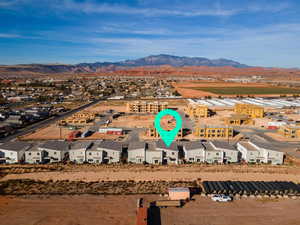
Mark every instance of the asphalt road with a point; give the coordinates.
(48, 121)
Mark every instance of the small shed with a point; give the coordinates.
(179, 193)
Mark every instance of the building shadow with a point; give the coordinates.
(154, 217)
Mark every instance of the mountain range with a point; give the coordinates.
(152, 60)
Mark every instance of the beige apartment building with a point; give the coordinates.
(251, 110)
(213, 132)
(152, 132)
(146, 107)
(197, 111)
(238, 119)
(289, 131)
(77, 119)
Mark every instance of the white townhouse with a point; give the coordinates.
(154, 156)
(56, 151)
(111, 151)
(269, 153)
(194, 152)
(13, 152)
(230, 153)
(93, 155)
(170, 154)
(249, 153)
(77, 152)
(212, 154)
(35, 156)
(137, 152)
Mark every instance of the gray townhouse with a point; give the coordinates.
(111, 151)
(56, 151)
(230, 153)
(137, 152)
(35, 156)
(212, 154)
(170, 154)
(77, 152)
(93, 155)
(249, 153)
(153, 155)
(13, 152)
(194, 152)
(268, 153)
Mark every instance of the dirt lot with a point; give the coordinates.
(49, 133)
(90, 173)
(107, 210)
(89, 176)
(214, 89)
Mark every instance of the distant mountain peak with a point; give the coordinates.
(152, 60)
(177, 61)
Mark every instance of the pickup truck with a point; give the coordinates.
(221, 198)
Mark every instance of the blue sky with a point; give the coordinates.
(254, 32)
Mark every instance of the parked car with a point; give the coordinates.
(221, 198)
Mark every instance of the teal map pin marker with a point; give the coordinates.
(168, 136)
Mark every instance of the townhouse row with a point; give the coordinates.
(140, 152)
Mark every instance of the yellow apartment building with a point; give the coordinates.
(146, 107)
(251, 110)
(152, 132)
(213, 132)
(289, 131)
(238, 119)
(197, 111)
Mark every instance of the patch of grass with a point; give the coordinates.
(248, 90)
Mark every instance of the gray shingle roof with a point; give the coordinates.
(161, 144)
(209, 147)
(136, 145)
(15, 146)
(264, 145)
(113, 145)
(56, 145)
(224, 145)
(81, 145)
(248, 146)
(193, 145)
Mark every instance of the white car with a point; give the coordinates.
(221, 198)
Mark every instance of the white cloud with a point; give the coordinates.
(275, 45)
(2, 35)
(198, 10)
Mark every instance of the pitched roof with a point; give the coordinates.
(136, 145)
(223, 144)
(113, 145)
(56, 145)
(161, 144)
(209, 147)
(81, 145)
(248, 146)
(264, 145)
(15, 146)
(193, 145)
